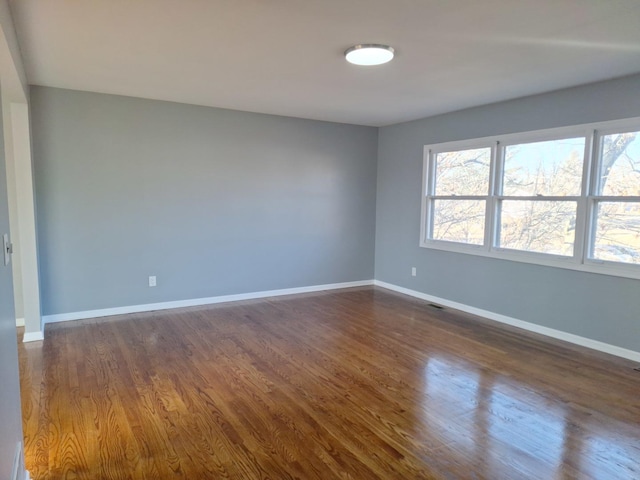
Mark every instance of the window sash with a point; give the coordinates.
(595, 232)
(571, 202)
(485, 182)
(465, 199)
(504, 146)
(596, 184)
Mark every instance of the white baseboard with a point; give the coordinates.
(19, 322)
(105, 312)
(32, 337)
(532, 327)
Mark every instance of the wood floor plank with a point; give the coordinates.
(352, 384)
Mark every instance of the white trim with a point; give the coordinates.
(599, 267)
(19, 322)
(21, 141)
(32, 336)
(17, 469)
(606, 127)
(427, 175)
(532, 327)
(105, 312)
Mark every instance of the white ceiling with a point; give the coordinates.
(285, 57)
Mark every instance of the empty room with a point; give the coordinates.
(286, 239)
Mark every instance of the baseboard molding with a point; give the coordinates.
(32, 337)
(106, 312)
(19, 322)
(532, 327)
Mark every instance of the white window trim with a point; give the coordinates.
(580, 261)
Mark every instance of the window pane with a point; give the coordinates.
(618, 232)
(538, 226)
(620, 164)
(459, 221)
(552, 168)
(465, 172)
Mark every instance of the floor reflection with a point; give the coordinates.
(493, 423)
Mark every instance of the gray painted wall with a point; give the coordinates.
(211, 201)
(595, 306)
(10, 412)
(218, 202)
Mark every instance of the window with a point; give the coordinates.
(616, 203)
(541, 183)
(565, 197)
(461, 189)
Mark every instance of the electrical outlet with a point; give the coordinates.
(413, 271)
(152, 281)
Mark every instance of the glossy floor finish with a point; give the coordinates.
(351, 384)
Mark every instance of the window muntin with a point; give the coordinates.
(588, 202)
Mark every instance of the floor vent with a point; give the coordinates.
(435, 305)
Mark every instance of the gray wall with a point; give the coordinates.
(599, 307)
(218, 202)
(212, 202)
(10, 412)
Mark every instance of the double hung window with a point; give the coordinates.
(460, 186)
(615, 203)
(562, 197)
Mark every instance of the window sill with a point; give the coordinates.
(545, 260)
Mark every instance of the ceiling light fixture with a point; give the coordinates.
(369, 54)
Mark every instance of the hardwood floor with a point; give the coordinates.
(351, 384)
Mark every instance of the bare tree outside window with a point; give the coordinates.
(461, 173)
(529, 220)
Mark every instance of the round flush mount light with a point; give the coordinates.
(369, 54)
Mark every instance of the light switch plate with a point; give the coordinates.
(6, 248)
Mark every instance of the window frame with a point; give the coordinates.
(536, 137)
(586, 207)
(428, 190)
(595, 197)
